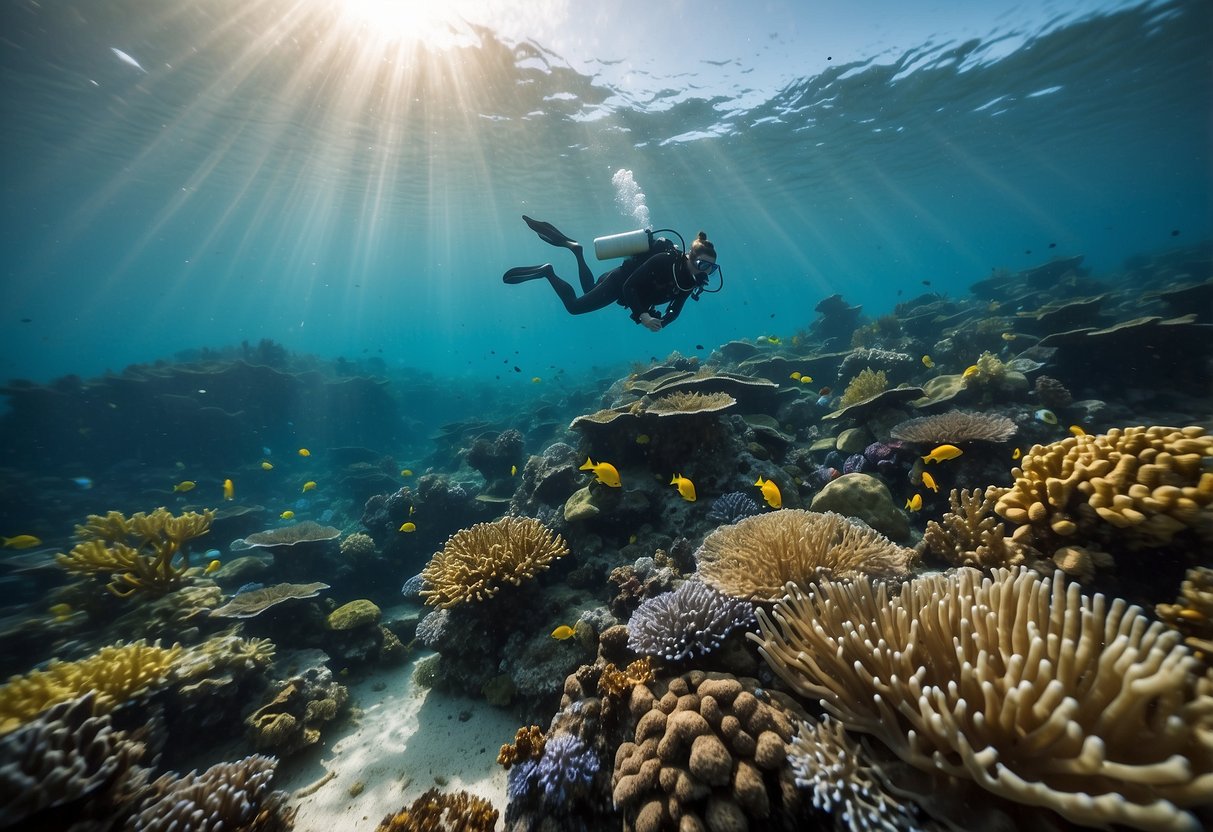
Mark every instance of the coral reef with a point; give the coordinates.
(866, 384)
(300, 707)
(1052, 393)
(615, 682)
(477, 562)
(528, 745)
(956, 427)
(358, 546)
(437, 811)
(226, 797)
(691, 621)
(297, 548)
(753, 559)
(145, 553)
(1064, 701)
(560, 774)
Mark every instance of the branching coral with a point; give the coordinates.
(864, 386)
(955, 427)
(616, 682)
(435, 811)
(691, 621)
(527, 745)
(116, 674)
(755, 557)
(145, 553)
(1035, 692)
(476, 563)
(1134, 487)
(971, 534)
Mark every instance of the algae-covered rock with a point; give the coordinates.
(866, 498)
(353, 615)
(853, 440)
(580, 506)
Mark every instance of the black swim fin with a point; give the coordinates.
(549, 233)
(521, 274)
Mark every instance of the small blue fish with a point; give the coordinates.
(249, 587)
(85, 483)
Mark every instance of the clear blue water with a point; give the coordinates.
(269, 172)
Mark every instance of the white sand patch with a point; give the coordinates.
(405, 741)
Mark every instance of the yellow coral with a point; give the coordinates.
(475, 563)
(116, 673)
(614, 682)
(864, 386)
(143, 553)
(989, 370)
(435, 811)
(1134, 486)
(528, 745)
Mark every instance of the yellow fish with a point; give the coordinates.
(562, 632)
(536, 380)
(287, 515)
(266, 465)
(929, 482)
(685, 487)
(408, 527)
(770, 492)
(61, 611)
(513, 470)
(1077, 430)
(943, 452)
(795, 376)
(184, 485)
(604, 471)
(806, 379)
(304, 452)
(914, 503)
(211, 567)
(928, 362)
(1046, 416)
(308, 486)
(970, 371)
(642, 439)
(406, 472)
(229, 490)
(21, 541)
(1016, 454)
(632, 539)
(1008, 336)
(411, 510)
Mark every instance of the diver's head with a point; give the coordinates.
(702, 256)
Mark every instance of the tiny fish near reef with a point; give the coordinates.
(604, 471)
(686, 488)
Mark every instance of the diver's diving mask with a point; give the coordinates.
(706, 266)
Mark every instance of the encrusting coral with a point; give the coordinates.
(477, 562)
(867, 384)
(437, 811)
(754, 558)
(955, 427)
(1032, 690)
(145, 553)
(1133, 487)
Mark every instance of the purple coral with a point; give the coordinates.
(883, 456)
(693, 620)
(563, 773)
(733, 506)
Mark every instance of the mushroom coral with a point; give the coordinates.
(477, 562)
(1035, 692)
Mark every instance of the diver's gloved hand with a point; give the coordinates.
(653, 324)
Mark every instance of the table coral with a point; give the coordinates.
(1023, 685)
(477, 562)
(146, 553)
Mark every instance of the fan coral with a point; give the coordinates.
(562, 773)
(864, 386)
(1135, 487)
(693, 620)
(754, 558)
(437, 810)
(1033, 691)
(684, 404)
(227, 796)
(971, 534)
(116, 674)
(955, 427)
(475, 563)
(733, 506)
(143, 553)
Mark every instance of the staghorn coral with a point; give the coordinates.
(691, 621)
(1033, 691)
(69, 764)
(1133, 487)
(116, 674)
(227, 797)
(955, 427)
(753, 558)
(146, 553)
(437, 811)
(971, 533)
(1192, 612)
(527, 745)
(475, 563)
(864, 386)
(687, 403)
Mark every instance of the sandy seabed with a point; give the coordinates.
(402, 740)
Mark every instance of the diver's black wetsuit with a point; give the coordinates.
(640, 286)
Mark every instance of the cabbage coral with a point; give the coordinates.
(753, 558)
(476, 563)
(1023, 685)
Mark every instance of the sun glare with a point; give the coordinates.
(437, 25)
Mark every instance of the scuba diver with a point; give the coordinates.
(663, 274)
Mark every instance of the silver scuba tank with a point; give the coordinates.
(623, 245)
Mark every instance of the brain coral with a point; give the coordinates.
(1135, 487)
(1023, 685)
(691, 621)
(955, 427)
(475, 563)
(755, 557)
